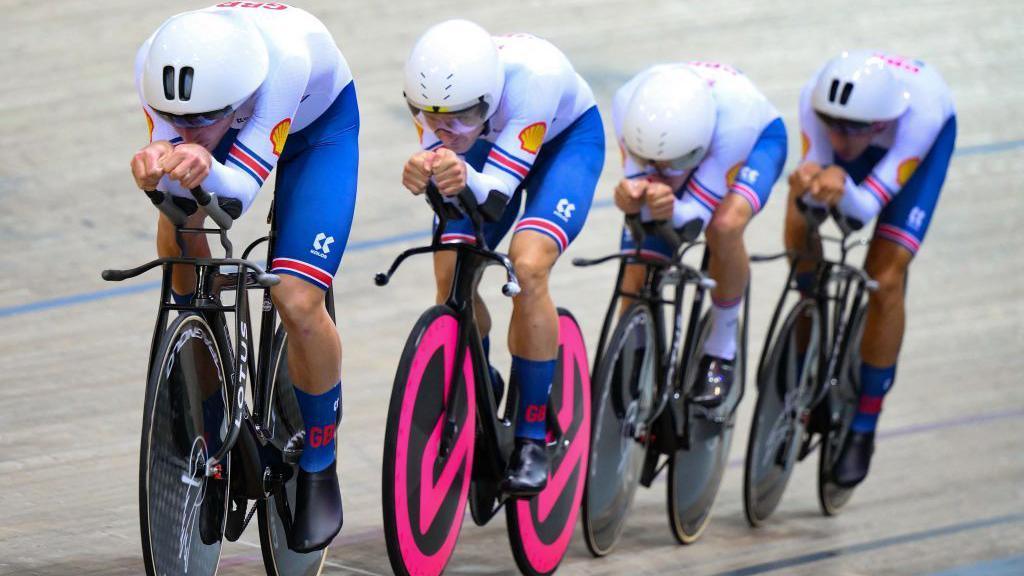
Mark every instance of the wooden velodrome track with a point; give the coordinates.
(946, 494)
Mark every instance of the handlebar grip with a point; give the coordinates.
(166, 205)
(511, 289)
(212, 206)
(814, 212)
(267, 279)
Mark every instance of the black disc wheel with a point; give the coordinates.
(623, 399)
(786, 384)
(285, 423)
(695, 471)
(842, 401)
(182, 505)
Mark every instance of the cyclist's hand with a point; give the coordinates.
(189, 164)
(828, 185)
(660, 200)
(629, 195)
(801, 178)
(416, 173)
(449, 172)
(146, 168)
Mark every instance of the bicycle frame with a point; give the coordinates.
(839, 292)
(671, 361)
(497, 430)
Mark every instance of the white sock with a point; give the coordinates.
(721, 341)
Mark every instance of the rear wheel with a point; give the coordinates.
(695, 472)
(181, 509)
(425, 489)
(540, 528)
(285, 422)
(779, 425)
(842, 402)
(624, 389)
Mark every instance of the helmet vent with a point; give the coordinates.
(847, 90)
(185, 83)
(169, 82)
(833, 89)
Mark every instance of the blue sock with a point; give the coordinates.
(181, 299)
(805, 282)
(534, 381)
(875, 383)
(321, 416)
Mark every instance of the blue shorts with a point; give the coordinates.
(559, 188)
(753, 181)
(315, 194)
(905, 220)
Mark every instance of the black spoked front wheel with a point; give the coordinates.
(181, 508)
(695, 471)
(624, 387)
(786, 383)
(274, 516)
(842, 402)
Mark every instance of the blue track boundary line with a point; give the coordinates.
(812, 557)
(362, 246)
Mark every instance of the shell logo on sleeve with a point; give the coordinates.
(805, 143)
(279, 134)
(149, 124)
(419, 130)
(730, 177)
(906, 170)
(532, 137)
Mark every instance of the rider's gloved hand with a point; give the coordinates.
(629, 195)
(146, 167)
(828, 186)
(417, 171)
(801, 178)
(449, 172)
(660, 201)
(189, 164)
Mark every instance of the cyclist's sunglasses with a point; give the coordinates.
(675, 166)
(848, 127)
(200, 120)
(461, 122)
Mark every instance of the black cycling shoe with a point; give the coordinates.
(527, 472)
(318, 514)
(211, 511)
(714, 380)
(852, 466)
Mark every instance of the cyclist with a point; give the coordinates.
(508, 116)
(878, 132)
(230, 92)
(699, 141)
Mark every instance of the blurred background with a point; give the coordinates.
(946, 493)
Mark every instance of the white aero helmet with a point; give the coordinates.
(670, 118)
(454, 67)
(860, 87)
(202, 65)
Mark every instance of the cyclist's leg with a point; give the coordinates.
(901, 228)
(183, 277)
(560, 190)
(729, 264)
(314, 204)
